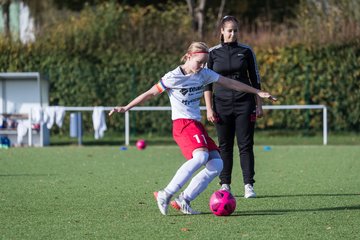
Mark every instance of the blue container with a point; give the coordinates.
(5, 142)
(75, 125)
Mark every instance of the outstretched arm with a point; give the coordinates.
(239, 86)
(152, 92)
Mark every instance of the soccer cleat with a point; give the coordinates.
(249, 191)
(163, 200)
(183, 205)
(175, 205)
(225, 187)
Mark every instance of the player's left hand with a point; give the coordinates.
(117, 109)
(212, 116)
(267, 95)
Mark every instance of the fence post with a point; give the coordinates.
(127, 128)
(325, 125)
(30, 129)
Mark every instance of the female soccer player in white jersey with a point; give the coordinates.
(185, 87)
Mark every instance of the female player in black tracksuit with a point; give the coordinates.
(234, 113)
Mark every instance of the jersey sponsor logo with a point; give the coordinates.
(195, 89)
(189, 102)
(184, 91)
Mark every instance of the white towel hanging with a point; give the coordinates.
(59, 115)
(99, 122)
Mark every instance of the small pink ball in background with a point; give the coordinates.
(141, 144)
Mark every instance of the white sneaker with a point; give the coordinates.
(163, 200)
(225, 187)
(249, 191)
(183, 205)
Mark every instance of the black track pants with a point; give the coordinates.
(236, 119)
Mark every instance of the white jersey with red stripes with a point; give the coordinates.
(185, 91)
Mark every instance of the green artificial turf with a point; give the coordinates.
(304, 192)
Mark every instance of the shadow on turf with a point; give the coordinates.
(307, 195)
(283, 211)
(235, 214)
(26, 175)
(279, 211)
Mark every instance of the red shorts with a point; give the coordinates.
(190, 134)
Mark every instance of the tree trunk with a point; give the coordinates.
(5, 4)
(219, 17)
(221, 12)
(197, 16)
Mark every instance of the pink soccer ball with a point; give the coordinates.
(141, 144)
(222, 203)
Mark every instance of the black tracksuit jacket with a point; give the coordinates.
(235, 61)
(236, 110)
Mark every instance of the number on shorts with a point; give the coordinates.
(198, 139)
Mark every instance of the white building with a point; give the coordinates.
(22, 96)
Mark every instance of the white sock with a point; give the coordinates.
(200, 182)
(184, 173)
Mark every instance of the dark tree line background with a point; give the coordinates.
(248, 11)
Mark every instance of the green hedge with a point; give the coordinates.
(325, 75)
(110, 54)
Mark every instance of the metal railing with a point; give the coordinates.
(168, 108)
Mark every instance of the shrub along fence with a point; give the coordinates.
(90, 62)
